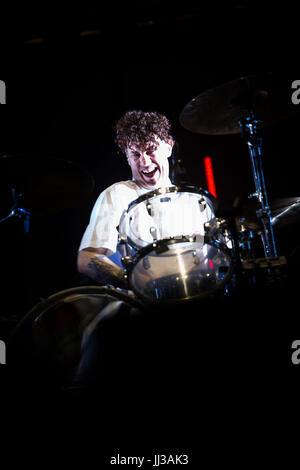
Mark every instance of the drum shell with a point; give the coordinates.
(180, 270)
(164, 213)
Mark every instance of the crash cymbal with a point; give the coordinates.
(47, 185)
(284, 211)
(219, 110)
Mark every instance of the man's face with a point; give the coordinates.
(150, 165)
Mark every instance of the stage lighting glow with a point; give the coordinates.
(209, 173)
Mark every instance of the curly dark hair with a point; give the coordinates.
(140, 127)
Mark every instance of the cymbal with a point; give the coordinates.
(218, 111)
(47, 185)
(284, 211)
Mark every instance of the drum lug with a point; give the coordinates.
(196, 260)
(149, 208)
(153, 232)
(126, 261)
(122, 239)
(207, 227)
(202, 205)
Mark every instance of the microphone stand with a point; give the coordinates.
(18, 212)
(21, 213)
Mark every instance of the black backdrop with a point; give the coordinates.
(70, 73)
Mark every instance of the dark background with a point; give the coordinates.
(71, 73)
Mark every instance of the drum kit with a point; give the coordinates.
(179, 247)
(185, 254)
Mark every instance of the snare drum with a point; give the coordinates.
(175, 249)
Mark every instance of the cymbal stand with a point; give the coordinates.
(249, 133)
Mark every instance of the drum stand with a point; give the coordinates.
(248, 127)
(249, 132)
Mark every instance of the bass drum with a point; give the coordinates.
(48, 339)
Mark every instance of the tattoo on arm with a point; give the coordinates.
(104, 272)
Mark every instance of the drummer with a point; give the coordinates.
(145, 139)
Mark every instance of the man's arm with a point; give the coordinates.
(94, 263)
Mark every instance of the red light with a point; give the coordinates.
(210, 176)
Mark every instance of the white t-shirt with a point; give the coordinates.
(181, 216)
(101, 231)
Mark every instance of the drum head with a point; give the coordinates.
(165, 213)
(178, 270)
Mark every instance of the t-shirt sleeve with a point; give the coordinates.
(101, 231)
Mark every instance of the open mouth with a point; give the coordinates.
(150, 174)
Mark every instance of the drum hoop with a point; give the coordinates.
(171, 241)
(59, 298)
(174, 189)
